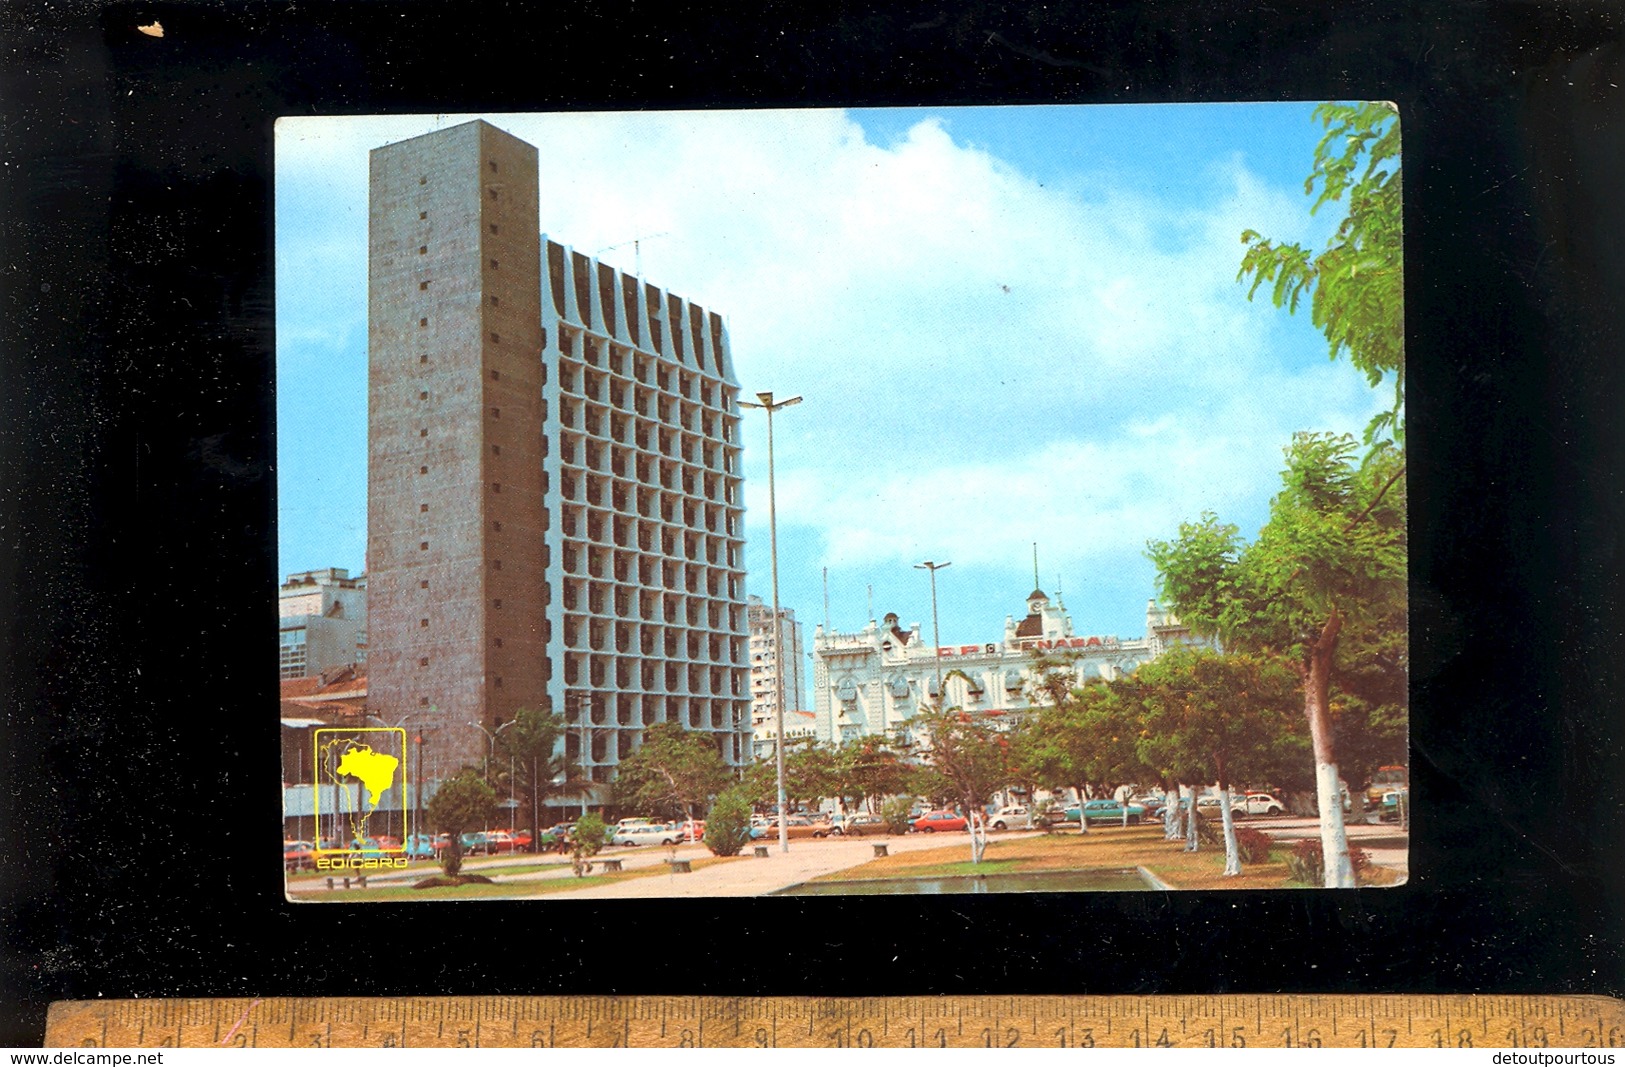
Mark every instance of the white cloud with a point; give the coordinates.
(982, 357)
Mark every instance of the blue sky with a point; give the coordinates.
(1010, 325)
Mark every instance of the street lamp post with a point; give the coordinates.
(936, 636)
(770, 406)
(491, 754)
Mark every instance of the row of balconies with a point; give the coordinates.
(664, 408)
(668, 575)
(582, 633)
(645, 563)
(642, 366)
(578, 487)
(639, 460)
(653, 606)
(581, 669)
(719, 523)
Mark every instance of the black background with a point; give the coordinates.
(138, 547)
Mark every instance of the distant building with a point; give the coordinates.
(875, 680)
(323, 621)
(764, 672)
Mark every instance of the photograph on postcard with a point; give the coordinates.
(1088, 568)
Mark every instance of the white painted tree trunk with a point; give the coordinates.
(978, 839)
(1192, 842)
(1170, 815)
(1317, 678)
(1083, 821)
(1334, 838)
(1232, 851)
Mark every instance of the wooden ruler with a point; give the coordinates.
(1296, 1021)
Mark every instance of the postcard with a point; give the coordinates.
(1088, 569)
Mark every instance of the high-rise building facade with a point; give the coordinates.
(765, 671)
(323, 616)
(555, 500)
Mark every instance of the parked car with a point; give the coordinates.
(1105, 810)
(1394, 805)
(1014, 817)
(858, 825)
(298, 856)
(693, 829)
(1209, 807)
(1263, 804)
(420, 846)
(939, 821)
(647, 834)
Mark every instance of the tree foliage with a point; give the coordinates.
(462, 802)
(539, 772)
(1330, 562)
(727, 826)
(673, 770)
(1356, 285)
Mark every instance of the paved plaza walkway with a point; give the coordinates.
(748, 876)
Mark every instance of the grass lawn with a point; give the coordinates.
(1103, 848)
(498, 890)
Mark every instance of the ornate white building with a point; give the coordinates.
(873, 681)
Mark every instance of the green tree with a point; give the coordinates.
(972, 755)
(1357, 284)
(586, 839)
(727, 827)
(672, 770)
(1224, 718)
(539, 771)
(1330, 560)
(462, 802)
(866, 767)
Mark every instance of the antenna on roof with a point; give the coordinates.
(637, 249)
(1035, 565)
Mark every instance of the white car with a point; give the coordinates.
(1209, 805)
(658, 833)
(1015, 817)
(1263, 804)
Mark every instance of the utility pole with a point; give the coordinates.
(767, 404)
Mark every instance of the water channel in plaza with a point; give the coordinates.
(1088, 881)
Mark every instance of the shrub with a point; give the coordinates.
(588, 835)
(727, 827)
(1308, 864)
(1254, 845)
(1209, 830)
(895, 813)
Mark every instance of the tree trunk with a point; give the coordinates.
(453, 861)
(1193, 843)
(1170, 814)
(1083, 821)
(1232, 851)
(1317, 681)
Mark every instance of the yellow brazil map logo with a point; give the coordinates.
(358, 770)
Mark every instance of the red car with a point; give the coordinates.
(932, 821)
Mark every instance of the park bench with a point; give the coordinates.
(611, 866)
(760, 851)
(360, 881)
(681, 866)
(880, 850)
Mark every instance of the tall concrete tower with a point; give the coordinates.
(456, 516)
(508, 371)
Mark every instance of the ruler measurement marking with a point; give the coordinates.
(1430, 1020)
